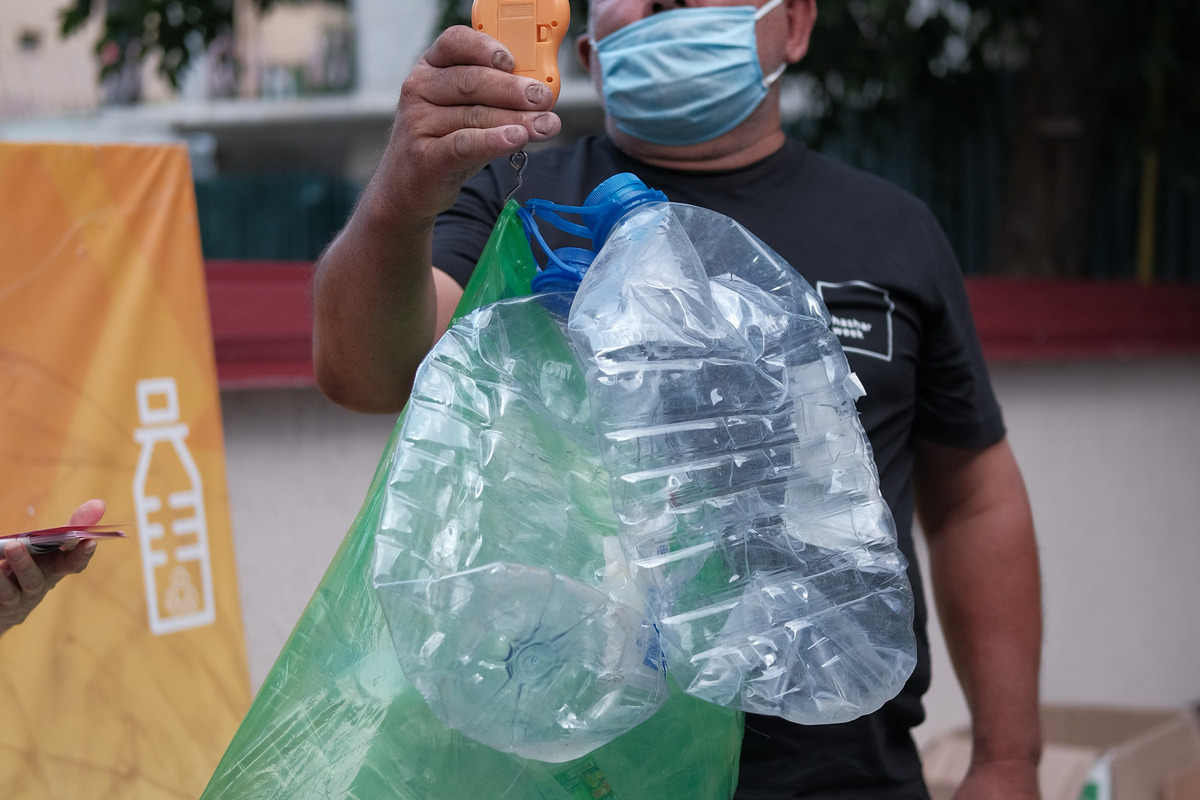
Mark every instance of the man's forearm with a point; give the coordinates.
(986, 582)
(989, 605)
(374, 308)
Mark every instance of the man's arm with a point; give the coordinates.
(378, 304)
(984, 567)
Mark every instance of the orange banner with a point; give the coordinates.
(130, 678)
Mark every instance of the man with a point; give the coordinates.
(875, 254)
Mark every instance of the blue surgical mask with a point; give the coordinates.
(687, 76)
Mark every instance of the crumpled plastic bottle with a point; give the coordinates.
(497, 560)
(668, 457)
(747, 494)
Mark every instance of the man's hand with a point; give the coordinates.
(460, 108)
(25, 578)
(378, 302)
(1000, 780)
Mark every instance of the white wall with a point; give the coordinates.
(1111, 457)
(1110, 452)
(390, 35)
(298, 469)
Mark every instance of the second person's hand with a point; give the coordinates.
(26, 578)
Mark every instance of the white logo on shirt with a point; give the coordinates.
(862, 316)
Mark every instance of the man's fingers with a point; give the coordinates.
(454, 121)
(463, 45)
(10, 592)
(76, 559)
(459, 108)
(439, 122)
(483, 86)
(26, 572)
(536, 125)
(89, 513)
(459, 142)
(472, 86)
(466, 67)
(493, 142)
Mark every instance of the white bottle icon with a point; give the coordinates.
(173, 534)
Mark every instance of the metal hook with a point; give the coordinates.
(517, 161)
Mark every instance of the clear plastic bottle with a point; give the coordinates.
(497, 561)
(747, 494)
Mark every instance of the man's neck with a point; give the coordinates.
(697, 158)
(753, 140)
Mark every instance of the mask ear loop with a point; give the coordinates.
(759, 14)
(766, 9)
(774, 76)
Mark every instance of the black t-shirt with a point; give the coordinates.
(884, 268)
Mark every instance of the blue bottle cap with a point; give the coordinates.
(613, 199)
(606, 204)
(564, 271)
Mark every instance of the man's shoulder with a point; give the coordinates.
(833, 221)
(838, 182)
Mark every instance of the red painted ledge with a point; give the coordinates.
(262, 320)
(1043, 320)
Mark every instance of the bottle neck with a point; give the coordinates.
(604, 207)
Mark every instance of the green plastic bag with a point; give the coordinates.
(336, 719)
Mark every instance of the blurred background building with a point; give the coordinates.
(287, 113)
(285, 119)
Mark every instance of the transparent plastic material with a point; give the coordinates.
(336, 718)
(745, 486)
(498, 563)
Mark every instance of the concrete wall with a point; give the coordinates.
(1110, 452)
(1111, 456)
(390, 36)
